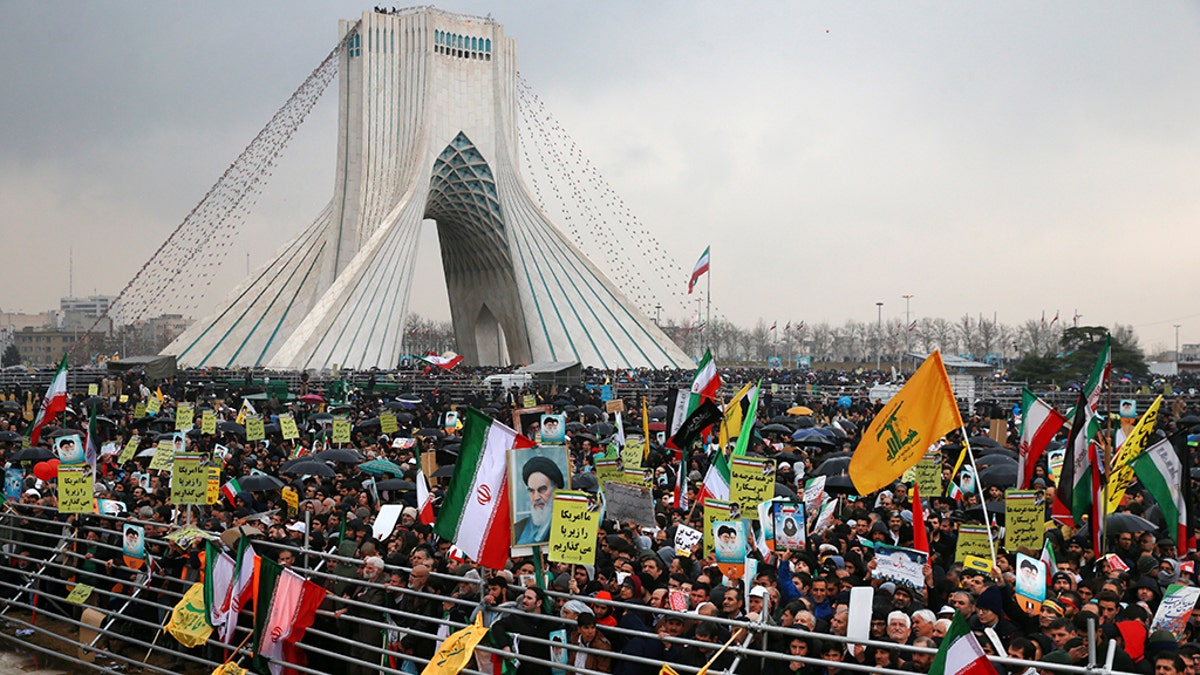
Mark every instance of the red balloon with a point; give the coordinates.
(43, 471)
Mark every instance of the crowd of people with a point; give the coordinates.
(641, 593)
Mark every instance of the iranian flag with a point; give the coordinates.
(474, 514)
(230, 490)
(53, 404)
(238, 592)
(1050, 561)
(424, 499)
(743, 439)
(289, 610)
(1039, 424)
(699, 270)
(706, 382)
(1160, 470)
(960, 653)
(1075, 483)
(716, 480)
(447, 361)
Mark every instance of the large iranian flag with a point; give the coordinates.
(290, 605)
(706, 382)
(1074, 491)
(699, 270)
(474, 514)
(1161, 471)
(53, 404)
(960, 653)
(1039, 424)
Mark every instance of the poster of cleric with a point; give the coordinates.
(535, 474)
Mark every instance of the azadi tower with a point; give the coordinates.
(427, 129)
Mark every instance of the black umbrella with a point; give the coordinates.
(590, 410)
(321, 417)
(10, 406)
(1189, 421)
(405, 418)
(658, 412)
(1118, 523)
(398, 484)
(833, 466)
(34, 454)
(232, 428)
(585, 436)
(369, 423)
(1195, 473)
(59, 433)
(996, 460)
(310, 467)
(576, 426)
(777, 429)
(784, 491)
(995, 452)
(813, 437)
(803, 422)
(1001, 475)
(106, 420)
(444, 471)
(840, 485)
(410, 398)
(784, 420)
(984, 441)
(996, 510)
(394, 405)
(257, 482)
(271, 429)
(340, 455)
(430, 432)
(603, 429)
(9, 437)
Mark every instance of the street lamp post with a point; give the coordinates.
(878, 335)
(907, 327)
(1177, 347)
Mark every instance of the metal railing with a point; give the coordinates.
(42, 556)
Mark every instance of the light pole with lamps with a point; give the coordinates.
(1177, 347)
(907, 327)
(878, 334)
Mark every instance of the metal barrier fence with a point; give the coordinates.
(42, 558)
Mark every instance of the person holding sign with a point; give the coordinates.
(541, 477)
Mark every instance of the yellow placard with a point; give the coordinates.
(528, 401)
(184, 416)
(164, 453)
(636, 477)
(927, 474)
(79, 594)
(576, 520)
(255, 428)
(388, 423)
(139, 411)
(208, 423)
(153, 406)
(1137, 440)
(129, 450)
(631, 454)
(714, 510)
(123, 398)
(189, 620)
(93, 389)
(76, 491)
(341, 431)
(213, 489)
(287, 427)
(974, 562)
(751, 482)
(292, 499)
(973, 542)
(1024, 520)
(189, 481)
(608, 470)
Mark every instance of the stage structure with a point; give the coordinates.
(427, 130)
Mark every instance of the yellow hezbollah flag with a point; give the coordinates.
(457, 650)
(189, 620)
(230, 668)
(731, 422)
(922, 411)
(1122, 469)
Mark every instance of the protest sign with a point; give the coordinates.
(640, 477)
(631, 454)
(608, 470)
(255, 429)
(1176, 609)
(765, 537)
(75, 489)
(93, 389)
(972, 540)
(133, 541)
(128, 451)
(625, 502)
(189, 480)
(13, 480)
(1054, 462)
(789, 526)
(81, 592)
(614, 406)
(1024, 519)
(686, 538)
(341, 431)
(220, 453)
(164, 453)
(528, 401)
(139, 411)
(714, 510)
(287, 428)
(927, 473)
(153, 406)
(212, 492)
(208, 423)
(576, 520)
(388, 424)
(1031, 584)
(184, 416)
(291, 500)
(729, 537)
(751, 482)
(814, 494)
(901, 566)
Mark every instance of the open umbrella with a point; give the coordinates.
(369, 423)
(1189, 421)
(378, 467)
(429, 432)
(799, 410)
(784, 491)
(10, 406)
(310, 467)
(258, 482)
(1118, 523)
(397, 484)
(813, 437)
(833, 467)
(1001, 475)
(603, 429)
(840, 485)
(339, 455)
(658, 412)
(984, 441)
(9, 437)
(996, 460)
(994, 451)
(59, 433)
(444, 471)
(232, 428)
(576, 426)
(32, 454)
(230, 537)
(312, 398)
(776, 429)
(321, 417)
(590, 410)
(996, 510)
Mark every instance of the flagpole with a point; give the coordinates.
(979, 493)
(708, 299)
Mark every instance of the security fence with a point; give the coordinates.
(120, 625)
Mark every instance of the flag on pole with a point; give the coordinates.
(774, 324)
(1055, 319)
(424, 499)
(679, 499)
(920, 533)
(53, 403)
(238, 592)
(1040, 422)
(919, 414)
(230, 490)
(704, 416)
(246, 409)
(716, 480)
(960, 653)
(735, 413)
(1128, 449)
(474, 514)
(1162, 472)
(699, 270)
(91, 447)
(705, 383)
(458, 649)
(446, 362)
(289, 609)
(912, 326)
(1074, 483)
(1050, 561)
(743, 440)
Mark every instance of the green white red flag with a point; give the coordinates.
(53, 403)
(960, 653)
(699, 270)
(1039, 424)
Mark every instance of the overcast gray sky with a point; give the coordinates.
(1007, 158)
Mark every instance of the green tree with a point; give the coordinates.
(1080, 348)
(11, 357)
